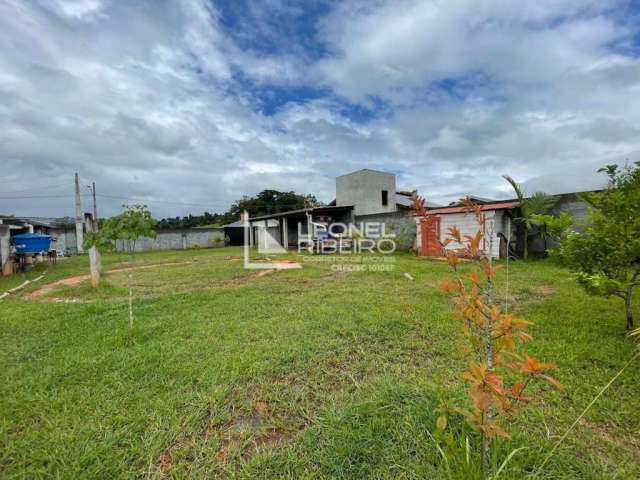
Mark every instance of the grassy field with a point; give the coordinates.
(305, 373)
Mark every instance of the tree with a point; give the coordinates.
(606, 257)
(554, 227)
(266, 202)
(499, 370)
(271, 201)
(191, 221)
(537, 204)
(134, 222)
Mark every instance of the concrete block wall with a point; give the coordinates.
(572, 204)
(165, 240)
(64, 240)
(363, 189)
(399, 223)
(176, 240)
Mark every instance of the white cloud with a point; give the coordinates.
(84, 10)
(406, 44)
(141, 97)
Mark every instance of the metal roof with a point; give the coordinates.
(404, 200)
(476, 199)
(484, 207)
(290, 213)
(238, 223)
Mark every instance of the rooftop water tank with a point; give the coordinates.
(31, 242)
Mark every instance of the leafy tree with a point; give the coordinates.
(191, 221)
(271, 201)
(606, 257)
(499, 370)
(99, 240)
(537, 204)
(555, 227)
(134, 222)
(266, 202)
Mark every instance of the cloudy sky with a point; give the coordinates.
(190, 104)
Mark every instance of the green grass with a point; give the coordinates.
(296, 374)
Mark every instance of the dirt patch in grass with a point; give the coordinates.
(544, 290)
(44, 290)
(526, 295)
(65, 282)
(71, 281)
(249, 433)
(264, 272)
(246, 435)
(630, 443)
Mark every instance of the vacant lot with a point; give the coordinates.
(292, 374)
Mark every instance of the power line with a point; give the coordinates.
(159, 201)
(35, 189)
(224, 204)
(281, 207)
(39, 196)
(213, 204)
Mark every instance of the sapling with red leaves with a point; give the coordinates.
(499, 372)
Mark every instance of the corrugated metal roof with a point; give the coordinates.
(485, 207)
(321, 209)
(476, 199)
(238, 223)
(404, 200)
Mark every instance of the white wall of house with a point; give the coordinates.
(269, 238)
(468, 225)
(268, 234)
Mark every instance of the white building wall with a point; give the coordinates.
(64, 239)
(268, 234)
(469, 225)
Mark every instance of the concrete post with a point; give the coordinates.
(29, 259)
(5, 250)
(95, 266)
(79, 219)
(95, 207)
(285, 233)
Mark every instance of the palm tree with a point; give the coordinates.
(537, 204)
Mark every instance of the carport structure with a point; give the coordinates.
(284, 229)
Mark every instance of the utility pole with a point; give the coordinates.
(79, 219)
(92, 187)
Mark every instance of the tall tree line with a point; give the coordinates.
(264, 203)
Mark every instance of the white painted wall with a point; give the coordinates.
(468, 225)
(268, 235)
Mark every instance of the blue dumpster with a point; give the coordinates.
(31, 242)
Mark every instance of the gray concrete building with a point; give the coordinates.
(363, 196)
(367, 191)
